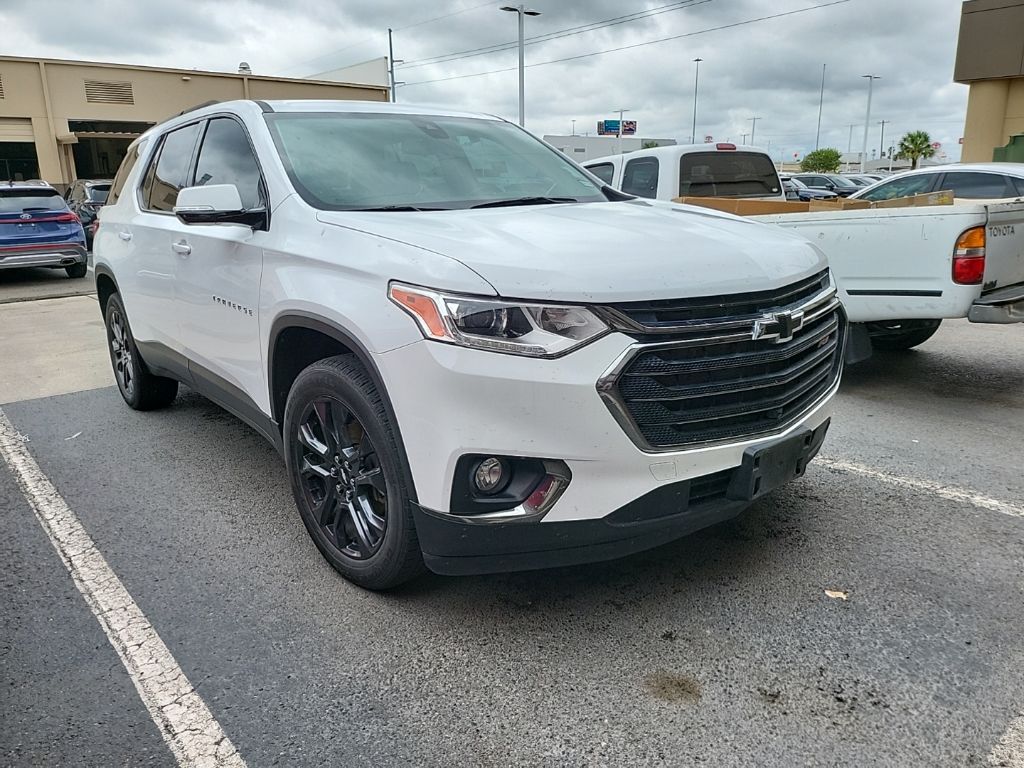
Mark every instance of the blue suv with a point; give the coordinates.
(37, 229)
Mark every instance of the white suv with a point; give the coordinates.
(471, 354)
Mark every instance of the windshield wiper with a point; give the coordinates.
(525, 201)
(397, 208)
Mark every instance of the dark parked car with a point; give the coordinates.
(85, 197)
(832, 182)
(38, 230)
(797, 190)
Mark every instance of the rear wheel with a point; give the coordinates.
(896, 335)
(77, 270)
(140, 388)
(348, 476)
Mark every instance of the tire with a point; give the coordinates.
(140, 388)
(898, 335)
(349, 476)
(77, 270)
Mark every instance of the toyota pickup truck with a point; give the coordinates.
(901, 271)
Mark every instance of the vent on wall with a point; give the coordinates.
(109, 92)
(1, 86)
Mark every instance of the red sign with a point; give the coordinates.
(936, 145)
(709, 139)
(961, 139)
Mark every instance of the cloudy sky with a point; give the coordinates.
(753, 66)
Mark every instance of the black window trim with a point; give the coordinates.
(608, 163)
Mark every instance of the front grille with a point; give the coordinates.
(727, 367)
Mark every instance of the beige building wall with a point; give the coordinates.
(990, 58)
(39, 96)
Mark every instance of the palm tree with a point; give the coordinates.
(914, 146)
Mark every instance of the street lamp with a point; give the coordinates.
(621, 113)
(522, 11)
(867, 121)
(573, 127)
(753, 128)
(696, 81)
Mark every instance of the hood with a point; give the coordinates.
(601, 252)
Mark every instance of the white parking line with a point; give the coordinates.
(948, 492)
(181, 716)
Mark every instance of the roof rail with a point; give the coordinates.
(199, 106)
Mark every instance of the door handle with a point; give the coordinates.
(181, 247)
(126, 236)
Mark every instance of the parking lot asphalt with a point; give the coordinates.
(722, 649)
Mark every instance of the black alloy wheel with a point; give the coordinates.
(341, 478)
(121, 353)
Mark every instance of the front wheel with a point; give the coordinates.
(348, 475)
(897, 335)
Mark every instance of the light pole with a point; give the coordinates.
(573, 127)
(391, 67)
(696, 82)
(867, 121)
(881, 141)
(821, 103)
(753, 127)
(621, 113)
(521, 11)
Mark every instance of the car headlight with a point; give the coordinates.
(533, 330)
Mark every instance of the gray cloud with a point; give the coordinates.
(770, 68)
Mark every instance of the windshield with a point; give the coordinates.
(340, 161)
(842, 181)
(21, 199)
(98, 193)
(727, 174)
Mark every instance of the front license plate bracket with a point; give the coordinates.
(766, 467)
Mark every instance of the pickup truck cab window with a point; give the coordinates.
(727, 174)
(604, 171)
(360, 161)
(640, 177)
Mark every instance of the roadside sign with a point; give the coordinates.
(611, 127)
(709, 139)
(961, 140)
(936, 145)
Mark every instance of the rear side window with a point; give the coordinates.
(169, 174)
(122, 174)
(603, 171)
(911, 185)
(978, 186)
(640, 177)
(226, 158)
(727, 174)
(26, 200)
(98, 193)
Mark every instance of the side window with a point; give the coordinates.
(226, 158)
(122, 174)
(978, 186)
(911, 185)
(641, 177)
(604, 171)
(170, 172)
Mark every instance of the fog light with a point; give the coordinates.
(490, 475)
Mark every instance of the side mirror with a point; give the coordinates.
(217, 204)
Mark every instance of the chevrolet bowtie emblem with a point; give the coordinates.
(778, 327)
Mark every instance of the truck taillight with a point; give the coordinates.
(969, 257)
(723, 145)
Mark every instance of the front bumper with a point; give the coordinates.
(451, 401)
(1003, 306)
(53, 255)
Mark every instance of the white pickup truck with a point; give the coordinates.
(901, 271)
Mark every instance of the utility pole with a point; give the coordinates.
(744, 139)
(696, 82)
(391, 65)
(821, 103)
(881, 141)
(522, 12)
(867, 121)
(573, 127)
(621, 113)
(753, 127)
